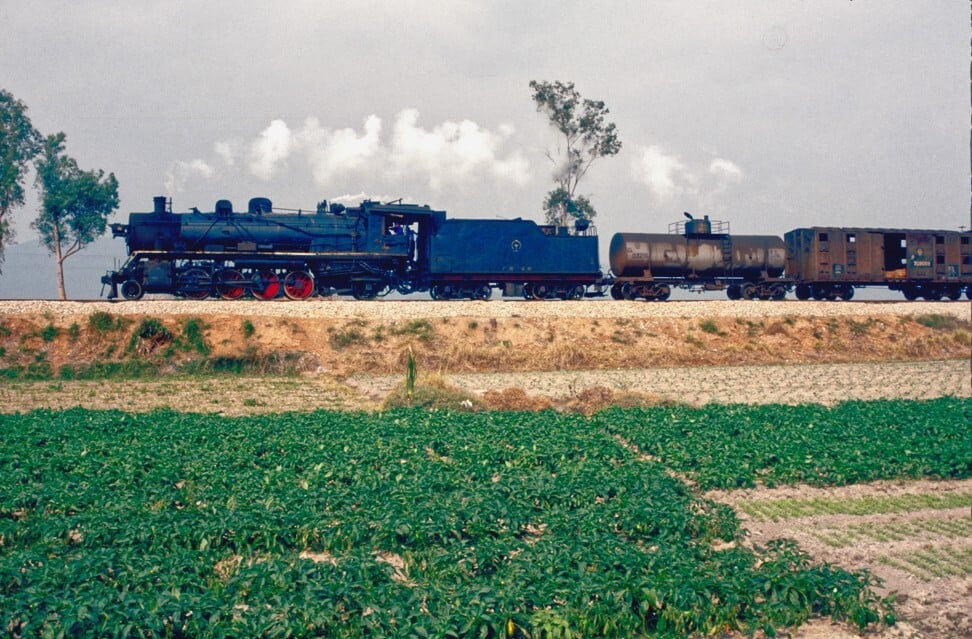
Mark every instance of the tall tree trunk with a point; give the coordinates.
(60, 264)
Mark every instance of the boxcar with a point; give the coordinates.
(830, 262)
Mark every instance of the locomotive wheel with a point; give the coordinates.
(266, 285)
(364, 290)
(540, 291)
(803, 292)
(298, 285)
(435, 293)
(229, 284)
(197, 284)
(484, 292)
(132, 290)
(577, 293)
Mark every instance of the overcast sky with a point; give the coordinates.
(771, 114)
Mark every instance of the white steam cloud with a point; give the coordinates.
(448, 154)
(669, 180)
(181, 172)
(271, 150)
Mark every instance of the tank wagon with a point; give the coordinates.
(363, 251)
(828, 263)
(698, 254)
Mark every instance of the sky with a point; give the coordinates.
(771, 114)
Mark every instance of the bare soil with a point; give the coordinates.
(579, 356)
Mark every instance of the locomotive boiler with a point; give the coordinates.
(697, 254)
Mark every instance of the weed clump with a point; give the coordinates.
(149, 336)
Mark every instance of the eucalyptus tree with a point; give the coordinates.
(75, 204)
(19, 144)
(586, 137)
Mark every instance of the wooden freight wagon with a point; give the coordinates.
(830, 262)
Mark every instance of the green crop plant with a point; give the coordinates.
(399, 523)
(248, 329)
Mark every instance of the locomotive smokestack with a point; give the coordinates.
(159, 201)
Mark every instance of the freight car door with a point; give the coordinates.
(921, 255)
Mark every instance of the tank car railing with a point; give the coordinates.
(718, 227)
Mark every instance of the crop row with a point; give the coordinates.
(853, 442)
(405, 523)
(889, 531)
(789, 508)
(931, 563)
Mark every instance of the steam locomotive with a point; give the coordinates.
(363, 251)
(373, 249)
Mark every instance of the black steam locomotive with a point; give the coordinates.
(363, 251)
(373, 249)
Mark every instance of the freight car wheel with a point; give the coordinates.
(196, 284)
(734, 292)
(266, 285)
(910, 292)
(778, 292)
(616, 292)
(540, 291)
(662, 293)
(748, 291)
(577, 293)
(132, 290)
(803, 292)
(229, 284)
(298, 285)
(953, 292)
(845, 292)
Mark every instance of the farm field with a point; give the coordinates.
(205, 402)
(418, 523)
